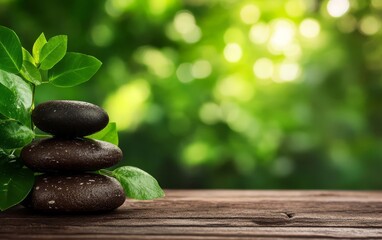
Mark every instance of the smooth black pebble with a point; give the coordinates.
(85, 192)
(69, 155)
(69, 118)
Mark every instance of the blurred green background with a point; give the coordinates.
(229, 94)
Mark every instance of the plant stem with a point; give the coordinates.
(32, 106)
(33, 93)
(106, 172)
(44, 75)
(42, 135)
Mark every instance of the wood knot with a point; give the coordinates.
(289, 214)
(276, 220)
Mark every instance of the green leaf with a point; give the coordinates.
(16, 182)
(11, 56)
(53, 51)
(15, 97)
(31, 73)
(37, 46)
(108, 134)
(14, 134)
(27, 56)
(137, 183)
(73, 69)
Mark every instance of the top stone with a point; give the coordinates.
(67, 118)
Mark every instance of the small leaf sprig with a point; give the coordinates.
(20, 73)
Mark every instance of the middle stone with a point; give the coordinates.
(70, 155)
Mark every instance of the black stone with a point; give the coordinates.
(85, 192)
(69, 118)
(69, 155)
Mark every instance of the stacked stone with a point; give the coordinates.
(68, 158)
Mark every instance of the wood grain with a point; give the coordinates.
(216, 214)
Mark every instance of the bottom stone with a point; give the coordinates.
(85, 192)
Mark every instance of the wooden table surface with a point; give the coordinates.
(216, 214)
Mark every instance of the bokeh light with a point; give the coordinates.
(201, 69)
(310, 28)
(370, 25)
(250, 13)
(337, 8)
(133, 98)
(185, 25)
(263, 68)
(259, 33)
(184, 72)
(289, 72)
(282, 35)
(232, 52)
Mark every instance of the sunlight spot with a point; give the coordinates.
(249, 14)
(184, 22)
(127, 105)
(210, 113)
(230, 111)
(201, 69)
(282, 35)
(192, 36)
(292, 51)
(240, 121)
(310, 28)
(259, 33)
(234, 87)
(376, 4)
(232, 52)
(347, 23)
(196, 153)
(116, 8)
(156, 61)
(289, 72)
(184, 73)
(369, 25)
(295, 8)
(337, 8)
(101, 35)
(158, 7)
(172, 33)
(263, 68)
(185, 25)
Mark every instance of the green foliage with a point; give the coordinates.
(108, 134)
(37, 47)
(15, 97)
(138, 184)
(16, 182)
(30, 72)
(11, 56)
(14, 134)
(74, 69)
(20, 73)
(52, 52)
(28, 57)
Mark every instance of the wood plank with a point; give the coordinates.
(217, 214)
